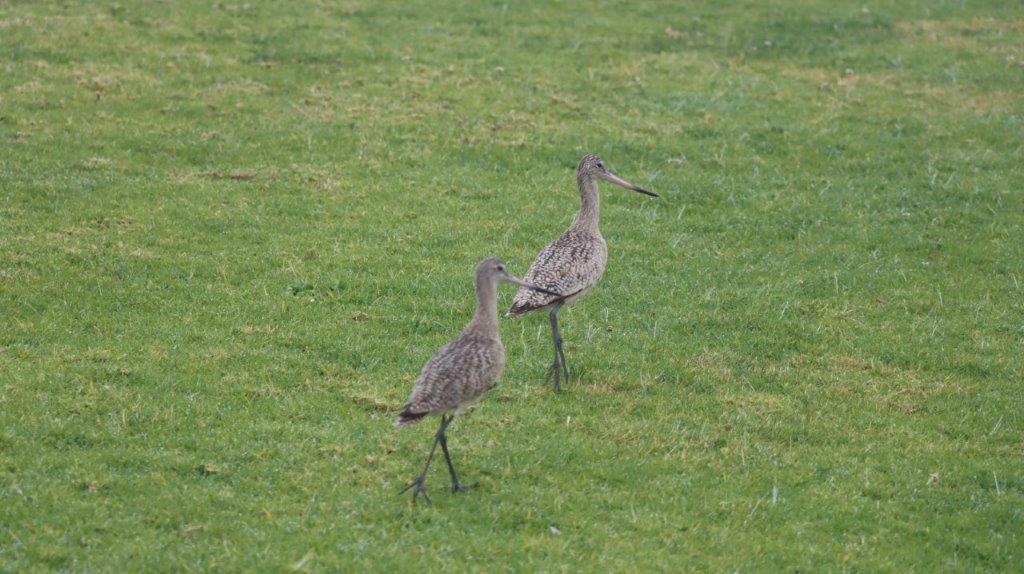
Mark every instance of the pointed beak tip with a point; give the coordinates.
(611, 177)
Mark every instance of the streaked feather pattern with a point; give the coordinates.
(456, 377)
(569, 265)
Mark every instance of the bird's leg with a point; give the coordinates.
(456, 485)
(558, 366)
(418, 484)
(561, 357)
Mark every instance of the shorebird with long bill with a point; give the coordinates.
(462, 371)
(572, 264)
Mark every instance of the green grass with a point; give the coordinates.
(232, 233)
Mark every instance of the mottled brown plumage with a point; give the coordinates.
(463, 370)
(458, 375)
(572, 264)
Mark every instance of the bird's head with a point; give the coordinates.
(493, 270)
(592, 168)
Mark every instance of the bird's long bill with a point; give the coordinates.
(521, 283)
(623, 183)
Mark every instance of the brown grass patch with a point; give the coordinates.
(889, 386)
(928, 98)
(372, 404)
(959, 32)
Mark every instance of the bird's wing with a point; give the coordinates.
(568, 265)
(458, 372)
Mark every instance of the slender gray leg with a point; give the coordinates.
(456, 485)
(558, 366)
(561, 357)
(418, 484)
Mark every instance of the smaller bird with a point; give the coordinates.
(462, 371)
(573, 263)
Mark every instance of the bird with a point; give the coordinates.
(461, 371)
(572, 264)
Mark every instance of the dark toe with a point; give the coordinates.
(459, 487)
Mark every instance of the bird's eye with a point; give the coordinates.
(600, 165)
(501, 267)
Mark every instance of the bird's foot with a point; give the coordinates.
(459, 487)
(555, 372)
(418, 487)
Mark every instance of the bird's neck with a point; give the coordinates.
(485, 320)
(590, 202)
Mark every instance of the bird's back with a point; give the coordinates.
(569, 265)
(455, 377)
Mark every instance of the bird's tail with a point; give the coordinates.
(517, 309)
(408, 418)
(520, 303)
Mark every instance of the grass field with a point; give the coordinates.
(232, 233)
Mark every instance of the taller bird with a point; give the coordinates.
(572, 264)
